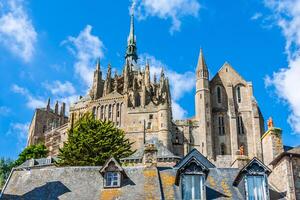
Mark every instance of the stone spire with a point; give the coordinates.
(98, 64)
(97, 87)
(201, 71)
(48, 104)
(131, 51)
(107, 84)
(116, 82)
(56, 108)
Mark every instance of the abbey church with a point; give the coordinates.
(226, 138)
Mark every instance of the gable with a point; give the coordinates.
(253, 167)
(195, 154)
(228, 75)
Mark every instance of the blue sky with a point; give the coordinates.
(48, 49)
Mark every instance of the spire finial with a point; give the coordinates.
(131, 52)
(48, 104)
(98, 64)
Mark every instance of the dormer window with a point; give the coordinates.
(112, 179)
(192, 186)
(191, 174)
(254, 175)
(112, 173)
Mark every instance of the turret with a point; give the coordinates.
(56, 108)
(63, 110)
(97, 87)
(116, 82)
(107, 84)
(203, 139)
(147, 76)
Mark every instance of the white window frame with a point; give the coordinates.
(114, 175)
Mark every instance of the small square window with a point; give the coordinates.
(112, 179)
(150, 116)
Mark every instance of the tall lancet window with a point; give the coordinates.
(221, 126)
(102, 113)
(219, 94)
(238, 94)
(109, 112)
(241, 129)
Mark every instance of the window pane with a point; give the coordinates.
(256, 188)
(191, 187)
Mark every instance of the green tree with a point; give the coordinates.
(32, 151)
(91, 142)
(5, 167)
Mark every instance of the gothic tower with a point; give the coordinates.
(97, 87)
(202, 139)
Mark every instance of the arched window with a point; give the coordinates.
(219, 94)
(238, 94)
(223, 149)
(221, 126)
(240, 123)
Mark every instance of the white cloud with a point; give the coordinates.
(180, 83)
(286, 81)
(20, 130)
(59, 88)
(256, 16)
(32, 102)
(17, 32)
(4, 110)
(167, 9)
(178, 111)
(86, 48)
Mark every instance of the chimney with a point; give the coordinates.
(150, 155)
(271, 143)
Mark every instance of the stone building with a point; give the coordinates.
(225, 141)
(45, 120)
(227, 117)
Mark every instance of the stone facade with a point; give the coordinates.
(227, 117)
(44, 120)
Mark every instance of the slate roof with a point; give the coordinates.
(46, 182)
(162, 153)
(80, 183)
(294, 151)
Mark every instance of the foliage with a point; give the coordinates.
(32, 151)
(5, 167)
(91, 142)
